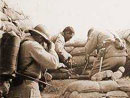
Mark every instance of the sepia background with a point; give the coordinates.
(81, 14)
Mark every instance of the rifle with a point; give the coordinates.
(101, 54)
(86, 64)
(31, 78)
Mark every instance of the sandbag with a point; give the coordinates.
(124, 84)
(75, 94)
(109, 85)
(78, 60)
(92, 95)
(10, 44)
(69, 49)
(1, 5)
(78, 51)
(8, 27)
(24, 24)
(84, 86)
(76, 43)
(65, 95)
(3, 17)
(13, 14)
(116, 94)
(59, 75)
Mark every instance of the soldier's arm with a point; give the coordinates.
(42, 57)
(59, 45)
(91, 45)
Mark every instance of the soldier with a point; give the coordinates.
(125, 35)
(111, 53)
(60, 41)
(32, 53)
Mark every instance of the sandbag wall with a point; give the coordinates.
(12, 20)
(98, 89)
(77, 50)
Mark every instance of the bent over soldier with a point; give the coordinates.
(111, 53)
(60, 41)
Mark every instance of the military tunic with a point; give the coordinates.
(113, 57)
(32, 50)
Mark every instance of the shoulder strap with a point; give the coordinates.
(27, 66)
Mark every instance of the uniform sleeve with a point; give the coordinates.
(91, 44)
(59, 47)
(42, 57)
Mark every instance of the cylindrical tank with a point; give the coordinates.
(10, 44)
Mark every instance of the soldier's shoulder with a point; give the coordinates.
(30, 43)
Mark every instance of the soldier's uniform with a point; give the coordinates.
(33, 51)
(59, 41)
(125, 35)
(112, 58)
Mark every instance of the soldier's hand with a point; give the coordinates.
(69, 62)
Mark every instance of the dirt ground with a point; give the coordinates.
(58, 87)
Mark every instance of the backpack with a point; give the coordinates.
(10, 44)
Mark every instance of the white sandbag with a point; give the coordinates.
(92, 95)
(78, 51)
(3, 17)
(24, 24)
(75, 94)
(83, 86)
(14, 4)
(116, 94)
(124, 84)
(69, 49)
(13, 14)
(78, 60)
(76, 43)
(9, 27)
(109, 85)
(1, 5)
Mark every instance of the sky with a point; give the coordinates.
(55, 15)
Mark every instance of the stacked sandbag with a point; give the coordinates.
(77, 49)
(124, 85)
(11, 20)
(95, 89)
(15, 23)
